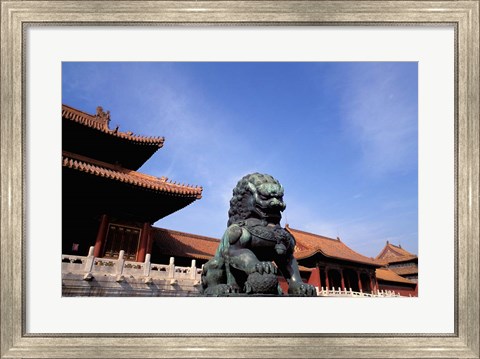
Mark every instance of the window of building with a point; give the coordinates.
(122, 238)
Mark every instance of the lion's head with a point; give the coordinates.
(257, 195)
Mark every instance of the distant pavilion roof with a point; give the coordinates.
(309, 244)
(117, 173)
(405, 271)
(394, 254)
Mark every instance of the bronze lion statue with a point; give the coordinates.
(254, 245)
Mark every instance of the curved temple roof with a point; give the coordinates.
(100, 122)
(103, 169)
(394, 254)
(181, 244)
(308, 244)
(390, 276)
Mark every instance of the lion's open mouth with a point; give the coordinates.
(269, 213)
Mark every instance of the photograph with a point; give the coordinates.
(238, 179)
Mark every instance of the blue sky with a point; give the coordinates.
(342, 138)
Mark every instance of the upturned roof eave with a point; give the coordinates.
(89, 121)
(319, 251)
(137, 179)
(397, 278)
(400, 260)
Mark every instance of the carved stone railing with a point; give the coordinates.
(332, 292)
(91, 266)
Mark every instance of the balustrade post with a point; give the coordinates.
(89, 263)
(193, 269)
(120, 266)
(90, 260)
(171, 268)
(147, 265)
(172, 271)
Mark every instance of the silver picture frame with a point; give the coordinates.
(16, 16)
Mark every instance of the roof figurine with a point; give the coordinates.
(103, 116)
(125, 148)
(101, 120)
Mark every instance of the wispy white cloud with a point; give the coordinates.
(380, 120)
(364, 232)
(200, 148)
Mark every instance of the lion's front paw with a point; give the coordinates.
(302, 290)
(263, 267)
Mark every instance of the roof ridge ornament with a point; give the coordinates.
(103, 117)
(101, 121)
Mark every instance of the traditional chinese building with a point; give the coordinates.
(182, 246)
(400, 261)
(107, 203)
(323, 262)
(333, 263)
(390, 281)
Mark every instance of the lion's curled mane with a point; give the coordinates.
(241, 202)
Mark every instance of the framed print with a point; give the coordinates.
(441, 37)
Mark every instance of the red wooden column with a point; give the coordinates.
(101, 236)
(142, 248)
(359, 282)
(319, 277)
(372, 288)
(315, 277)
(149, 241)
(327, 284)
(343, 279)
(375, 283)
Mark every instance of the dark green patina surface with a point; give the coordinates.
(255, 246)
